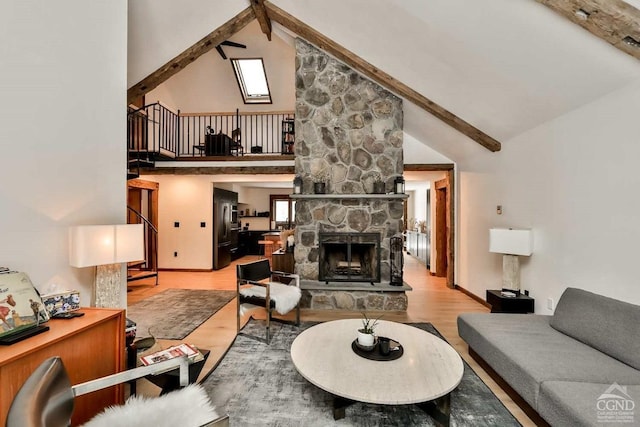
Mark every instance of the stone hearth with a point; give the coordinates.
(353, 296)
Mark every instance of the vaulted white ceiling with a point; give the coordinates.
(505, 66)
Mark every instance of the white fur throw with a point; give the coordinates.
(286, 297)
(187, 407)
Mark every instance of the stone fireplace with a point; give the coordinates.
(348, 134)
(349, 257)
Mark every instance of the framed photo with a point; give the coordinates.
(21, 307)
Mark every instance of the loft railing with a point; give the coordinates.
(154, 131)
(260, 133)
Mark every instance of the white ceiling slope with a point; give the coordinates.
(505, 66)
(159, 30)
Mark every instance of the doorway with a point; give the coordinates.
(441, 195)
(142, 208)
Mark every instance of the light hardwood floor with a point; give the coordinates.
(429, 301)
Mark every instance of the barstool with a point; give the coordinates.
(267, 247)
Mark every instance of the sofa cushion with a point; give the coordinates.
(609, 325)
(525, 351)
(567, 403)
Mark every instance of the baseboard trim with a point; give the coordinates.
(188, 270)
(526, 408)
(472, 296)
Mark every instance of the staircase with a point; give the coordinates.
(137, 141)
(149, 266)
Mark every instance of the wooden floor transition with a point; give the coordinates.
(430, 301)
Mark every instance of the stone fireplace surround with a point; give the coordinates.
(349, 134)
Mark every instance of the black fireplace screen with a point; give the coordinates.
(397, 261)
(349, 257)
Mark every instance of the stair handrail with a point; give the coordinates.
(152, 128)
(145, 219)
(155, 234)
(144, 107)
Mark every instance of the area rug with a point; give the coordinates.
(257, 384)
(175, 313)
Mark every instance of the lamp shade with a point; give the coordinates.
(511, 241)
(91, 245)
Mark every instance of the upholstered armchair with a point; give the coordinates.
(46, 399)
(276, 291)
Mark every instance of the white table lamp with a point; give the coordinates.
(511, 243)
(106, 247)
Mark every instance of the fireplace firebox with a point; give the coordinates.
(349, 257)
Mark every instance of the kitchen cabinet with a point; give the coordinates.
(283, 261)
(248, 241)
(418, 246)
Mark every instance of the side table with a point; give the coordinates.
(518, 304)
(169, 381)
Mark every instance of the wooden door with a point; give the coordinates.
(441, 229)
(445, 234)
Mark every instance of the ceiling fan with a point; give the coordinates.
(228, 43)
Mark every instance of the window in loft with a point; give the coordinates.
(252, 80)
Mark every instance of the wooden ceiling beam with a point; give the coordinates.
(427, 167)
(321, 41)
(220, 170)
(614, 21)
(201, 47)
(261, 15)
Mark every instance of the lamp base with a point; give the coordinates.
(511, 273)
(108, 285)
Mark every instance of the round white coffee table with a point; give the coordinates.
(425, 375)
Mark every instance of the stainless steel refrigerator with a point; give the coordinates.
(225, 227)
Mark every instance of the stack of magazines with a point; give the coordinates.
(5, 270)
(179, 350)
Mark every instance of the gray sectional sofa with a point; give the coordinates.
(566, 366)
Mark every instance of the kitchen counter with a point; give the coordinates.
(248, 240)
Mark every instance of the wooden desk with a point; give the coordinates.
(91, 346)
(217, 145)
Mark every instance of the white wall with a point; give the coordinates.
(574, 181)
(416, 152)
(62, 131)
(188, 199)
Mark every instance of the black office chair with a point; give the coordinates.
(236, 143)
(46, 398)
(274, 290)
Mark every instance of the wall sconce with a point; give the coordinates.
(106, 247)
(297, 185)
(511, 243)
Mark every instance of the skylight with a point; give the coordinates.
(252, 80)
